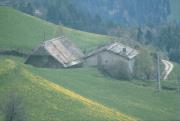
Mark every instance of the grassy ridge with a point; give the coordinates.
(24, 32)
(138, 101)
(21, 31)
(46, 100)
(86, 41)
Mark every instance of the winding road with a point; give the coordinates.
(168, 68)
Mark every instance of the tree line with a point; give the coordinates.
(166, 38)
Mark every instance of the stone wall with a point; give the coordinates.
(108, 58)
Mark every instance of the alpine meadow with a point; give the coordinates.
(89, 60)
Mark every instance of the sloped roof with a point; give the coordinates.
(62, 50)
(117, 48)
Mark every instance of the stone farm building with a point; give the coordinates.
(114, 53)
(56, 53)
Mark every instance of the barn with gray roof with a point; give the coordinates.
(56, 53)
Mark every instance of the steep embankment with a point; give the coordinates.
(46, 100)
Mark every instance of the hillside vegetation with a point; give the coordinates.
(52, 90)
(174, 16)
(139, 101)
(72, 94)
(23, 32)
(45, 100)
(99, 16)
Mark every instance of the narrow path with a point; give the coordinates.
(168, 68)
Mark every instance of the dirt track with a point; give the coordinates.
(168, 68)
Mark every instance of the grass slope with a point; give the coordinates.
(21, 31)
(64, 97)
(86, 41)
(138, 101)
(45, 100)
(24, 32)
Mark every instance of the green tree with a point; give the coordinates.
(118, 70)
(52, 14)
(169, 40)
(29, 9)
(26, 7)
(144, 68)
(149, 36)
(139, 35)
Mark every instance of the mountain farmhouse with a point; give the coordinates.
(62, 53)
(112, 54)
(56, 53)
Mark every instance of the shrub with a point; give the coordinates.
(12, 108)
(144, 67)
(116, 70)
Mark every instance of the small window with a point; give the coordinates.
(124, 50)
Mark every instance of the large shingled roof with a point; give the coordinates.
(62, 50)
(117, 48)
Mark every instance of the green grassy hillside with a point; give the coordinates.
(72, 94)
(87, 85)
(138, 101)
(23, 32)
(45, 100)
